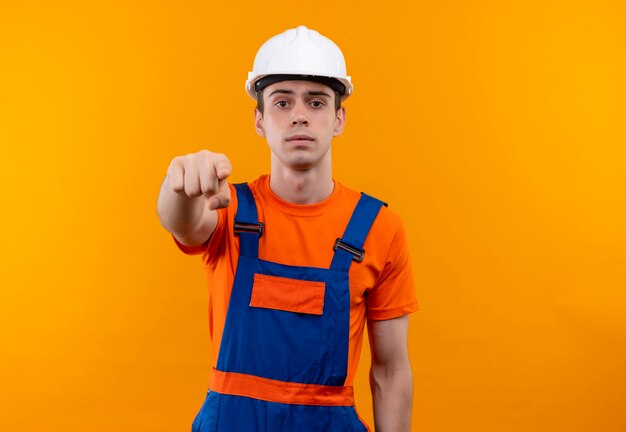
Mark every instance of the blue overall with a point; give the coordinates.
(282, 345)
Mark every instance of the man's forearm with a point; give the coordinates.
(392, 394)
(179, 213)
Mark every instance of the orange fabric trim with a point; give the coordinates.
(279, 391)
(292, 295)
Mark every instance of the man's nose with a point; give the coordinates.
(299, 115)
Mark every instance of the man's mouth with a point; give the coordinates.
(299, 138)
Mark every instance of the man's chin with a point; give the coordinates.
(301, 166)
(300, 161)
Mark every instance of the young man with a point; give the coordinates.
(295, 262)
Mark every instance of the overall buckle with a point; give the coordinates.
(357, 254)
(249, 228)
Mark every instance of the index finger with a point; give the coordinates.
(222, 198)
(222, 167)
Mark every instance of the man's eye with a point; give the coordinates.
(317, 104)
(281, 104)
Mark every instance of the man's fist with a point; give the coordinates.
(202, 173)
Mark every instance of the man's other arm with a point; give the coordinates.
(391, 379)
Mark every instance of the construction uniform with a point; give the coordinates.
(289, 342)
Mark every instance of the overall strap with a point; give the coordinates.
(349, 247)
(247, 225)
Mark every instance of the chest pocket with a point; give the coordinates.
(286, 294)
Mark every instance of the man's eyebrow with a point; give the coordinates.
(309, 93)
(318, 93)
(281, 91)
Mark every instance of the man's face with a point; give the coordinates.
(299, 121)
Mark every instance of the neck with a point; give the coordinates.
(301, 186)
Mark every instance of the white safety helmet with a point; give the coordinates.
(299, 54)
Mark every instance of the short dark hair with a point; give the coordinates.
(259, 100)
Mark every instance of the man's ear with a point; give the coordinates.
(258, 122)
(340, 121)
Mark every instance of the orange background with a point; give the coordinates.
(496, 129)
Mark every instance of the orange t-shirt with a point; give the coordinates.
(381, 286)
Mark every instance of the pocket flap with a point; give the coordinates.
(292, 295)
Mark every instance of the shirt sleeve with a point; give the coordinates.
(394, 293)
(191, 250)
